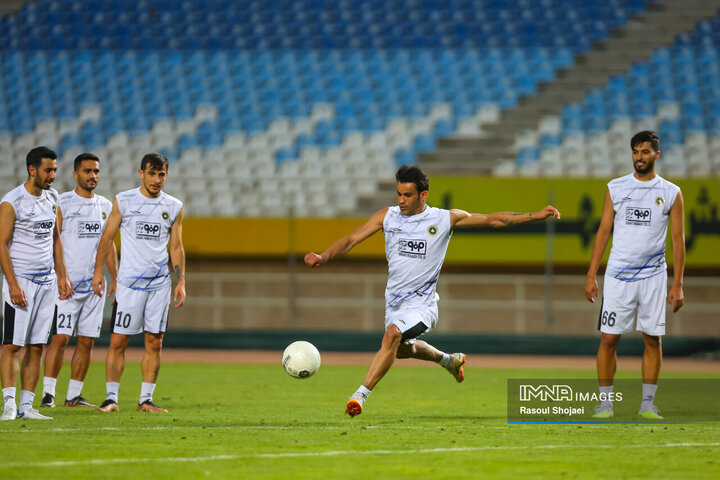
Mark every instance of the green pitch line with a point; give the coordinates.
(254, 421)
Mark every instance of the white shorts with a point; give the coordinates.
(412, 322)
(80, 314)
(137, 311)
(621, 300)
(29, 325)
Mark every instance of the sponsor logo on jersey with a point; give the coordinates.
(432, 230)
(43, 228)
(147, 231)
(637, 216)
(89, 228)
(412, 248)
(165, 215)
(660, 201)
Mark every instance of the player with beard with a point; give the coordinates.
(81, 221)
(637, 209)
(148, 219)
(416, 239)
(31, 257)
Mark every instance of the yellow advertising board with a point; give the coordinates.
(579, 201)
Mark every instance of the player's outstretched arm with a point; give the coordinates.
(177, 257)
(345, 244)
(63, 282)
(104, 247)
(461, 218)
(601, 240)
(7, 226)
(676, 298)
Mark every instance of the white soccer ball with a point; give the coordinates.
(301, 359)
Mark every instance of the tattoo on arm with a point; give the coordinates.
(176, 273)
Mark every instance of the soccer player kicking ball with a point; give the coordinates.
(81, 220)
(416, 239)
(637, 209)
(147, 218)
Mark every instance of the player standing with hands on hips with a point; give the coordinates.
(637, 209)
(147, 218)
(416, 240)
(30, 246)
(81, 220)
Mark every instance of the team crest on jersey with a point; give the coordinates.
(659, 201)
(54, 208)
(432, 230)
(165, 215)
(103, 215)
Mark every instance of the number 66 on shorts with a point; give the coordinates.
(623, 299)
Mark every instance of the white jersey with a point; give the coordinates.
(640, 229)
(144, 235)
(84, 221)
(31, 245)
(415, 247)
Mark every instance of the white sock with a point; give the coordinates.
(648, 395)
(446, 361)
(146, 392)
(112, 389)
(49, 385)
(74, 389)
(363, 390)
(26, 400)
(9, 394)
(605, 394)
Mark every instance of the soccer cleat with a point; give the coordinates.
(78, 401)
(650, 413)
(9, 412)
(108, 406)
(602, 413)
(48, 401)
(149, 406)
(355, 405)
(32, 414)
(458, 366)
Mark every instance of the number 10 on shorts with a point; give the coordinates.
(123, 321)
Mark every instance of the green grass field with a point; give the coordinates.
(254, 421)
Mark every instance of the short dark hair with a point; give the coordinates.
(155, 160)
(646, 136)
(413, 174)
(82, 157)
(36, 155)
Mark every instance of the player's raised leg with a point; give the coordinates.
(454, 363)
(53, 363)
